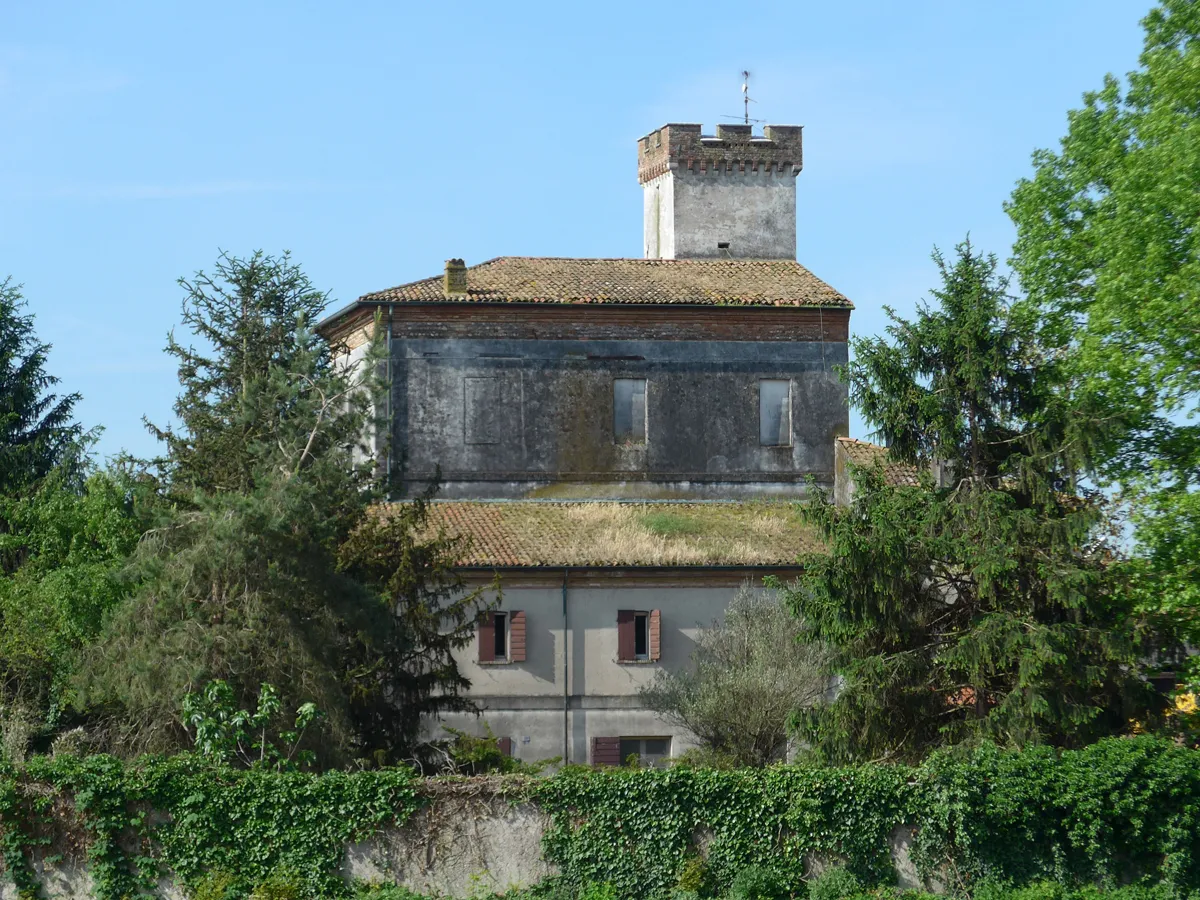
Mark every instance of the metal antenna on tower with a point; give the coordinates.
(746, 101)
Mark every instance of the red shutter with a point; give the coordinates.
(516, 636)
(505, 745)
(606, 751)
(626, 646)
(655, 634)
(487, 638)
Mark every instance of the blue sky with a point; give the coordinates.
(375, 140)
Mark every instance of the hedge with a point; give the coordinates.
(1120, 811)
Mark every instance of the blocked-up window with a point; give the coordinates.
(629, 410)
(482, 410)
(775, 412)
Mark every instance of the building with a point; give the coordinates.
(619, 437)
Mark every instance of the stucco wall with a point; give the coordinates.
(552, 403)
(551, 705)
(754, 212)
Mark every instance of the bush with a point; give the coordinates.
(835, 884)
(758, 883)
(693, 876)
(377, 891)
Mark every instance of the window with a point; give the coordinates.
(499, 636)
(775, 412)
(650, 752)
(639, 635)
(629, 410)
(502, 637)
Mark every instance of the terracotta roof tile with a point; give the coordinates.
(863, 454)
(539, 533)
(708, 282)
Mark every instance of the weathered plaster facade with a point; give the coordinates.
(507, 418)
(570, 690)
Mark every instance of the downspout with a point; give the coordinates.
(566, 688)
(391, 426)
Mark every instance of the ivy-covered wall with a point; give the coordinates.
(1116, 811)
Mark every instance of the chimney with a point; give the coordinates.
(455, 283)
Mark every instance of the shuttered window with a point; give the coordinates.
(606, 751)
(639, 635)
(516, 636)
(487, 638)
(506, 745)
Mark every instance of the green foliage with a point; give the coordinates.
(1122, 808)
(244, 315)
(468, 754)
(982, 605)
(748, 673)
(37, 430)
(1107, 253)
(758, 883)
(837, 883)
(669, 524)
(384, 892)
(67, 544)
(225, 830)
(225, 733)
(404, 668)
(1053, 823)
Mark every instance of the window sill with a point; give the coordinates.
(636, 662)
(496, 662)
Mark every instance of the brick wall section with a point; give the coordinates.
(684, 146)
(610, 323)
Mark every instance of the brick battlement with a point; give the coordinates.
(733, 149)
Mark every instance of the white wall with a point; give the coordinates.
(568, 691)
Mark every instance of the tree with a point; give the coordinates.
(242, 585)
(406, 672)
(244, 316)
(67, 544)
(1107, 252)
(984, 608)
(37, 428)
(749, 672)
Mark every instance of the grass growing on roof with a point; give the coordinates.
(666, 524)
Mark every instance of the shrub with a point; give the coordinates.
(758, 883)
(693, 876)
(837, 883)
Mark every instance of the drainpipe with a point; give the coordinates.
(566, 671)
(391, 426)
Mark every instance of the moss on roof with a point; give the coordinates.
(546, 534)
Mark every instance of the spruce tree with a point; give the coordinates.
(37, 426)
(242, 318)
(981, 605)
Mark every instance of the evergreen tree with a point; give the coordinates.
(37, 428)
(243, 316)
(983, 606)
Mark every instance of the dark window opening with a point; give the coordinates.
(500, 635)
(629, 410)
(722, 245)
(645, 751)
(641, 636)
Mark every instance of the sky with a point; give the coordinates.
(375, 140)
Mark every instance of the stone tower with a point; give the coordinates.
(732, 196)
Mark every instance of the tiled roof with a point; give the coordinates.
(538, 533)
(865, 455)
(708, 282)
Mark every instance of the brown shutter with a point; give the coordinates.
(606, 751)
(626, 645)
(655, 634)
(487, 638)
(505, 745)
(516, 636)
